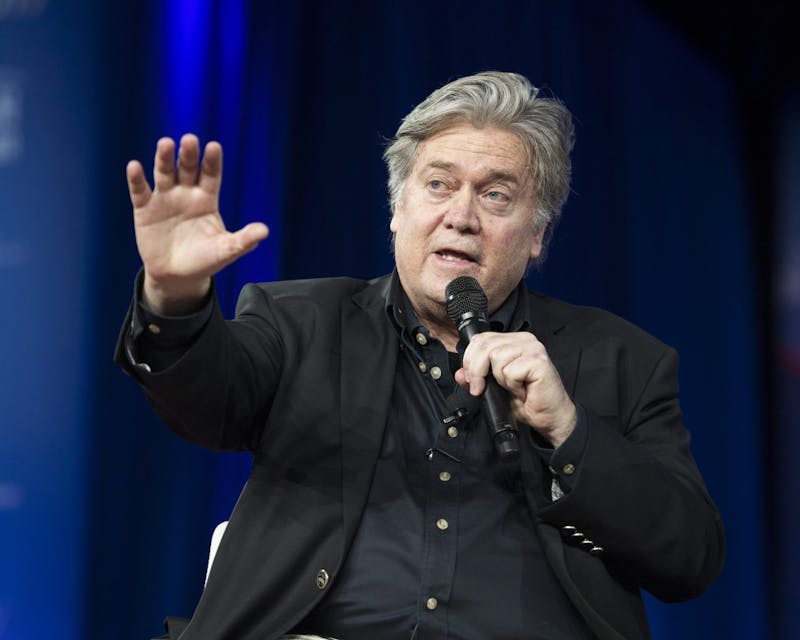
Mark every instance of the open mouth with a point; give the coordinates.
(450, 255)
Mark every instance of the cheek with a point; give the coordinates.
(513, 248)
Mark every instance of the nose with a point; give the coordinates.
(461, 213)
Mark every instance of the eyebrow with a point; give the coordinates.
(493, 175)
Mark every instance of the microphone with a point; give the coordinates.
(467, 307)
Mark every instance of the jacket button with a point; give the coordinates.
(322, 579)
(596, 551)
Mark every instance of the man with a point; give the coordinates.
(377, 506)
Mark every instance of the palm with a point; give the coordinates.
(180, 234)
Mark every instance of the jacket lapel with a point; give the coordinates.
(549, 329)
(369, 358)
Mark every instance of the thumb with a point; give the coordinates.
(242, 241)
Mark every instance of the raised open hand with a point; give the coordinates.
(180, 234)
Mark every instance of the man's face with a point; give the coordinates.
(466, 209)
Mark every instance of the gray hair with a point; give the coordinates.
(506, 101)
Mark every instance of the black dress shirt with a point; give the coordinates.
(446, 548)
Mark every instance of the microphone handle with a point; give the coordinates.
(502, 429)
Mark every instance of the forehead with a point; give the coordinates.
(464, 148)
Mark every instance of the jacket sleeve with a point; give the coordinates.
(636, 491)
(218, 392)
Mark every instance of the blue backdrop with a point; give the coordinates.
(105, 515)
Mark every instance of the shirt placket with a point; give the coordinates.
(442, 469)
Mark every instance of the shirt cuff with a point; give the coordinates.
(155, 341)
(564, 461)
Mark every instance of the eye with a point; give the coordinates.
(438, 188)
(497, 196)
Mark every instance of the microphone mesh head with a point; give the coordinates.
(464, 295)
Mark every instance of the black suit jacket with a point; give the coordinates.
(302, 378)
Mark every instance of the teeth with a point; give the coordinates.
(453, 257)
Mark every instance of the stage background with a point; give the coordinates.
(684, 218)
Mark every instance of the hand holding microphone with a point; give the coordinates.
(467, 307)
(529, 390)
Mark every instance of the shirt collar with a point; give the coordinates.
(511, 316)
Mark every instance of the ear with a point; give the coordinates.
(536, 245)
(393, 223)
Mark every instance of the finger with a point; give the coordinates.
(506, 361)
(474, 385)
(493, 353)
(188, 159)
(138, 188)
(235, 245)
(476, 356)
(476, 363)
(164, 164)
(519, 362)
(477, 385)
(251, 234)
(211, 169)
(514, 376)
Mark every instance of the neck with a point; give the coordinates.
(442, 329)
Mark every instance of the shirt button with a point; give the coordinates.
(569, 469)
(452, 432)
(444, 476)
(442, 524)
(432, 603)
(421, 339)
(154, 328)
(423, 367)
(436, 373)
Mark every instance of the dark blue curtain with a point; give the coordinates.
(47, 138)
(106, 515)
(786, 443)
